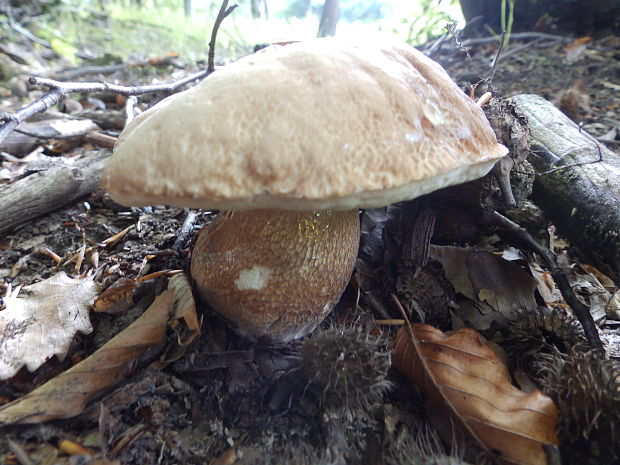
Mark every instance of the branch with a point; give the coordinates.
(60, 89)
(225, 10)
(582, 311)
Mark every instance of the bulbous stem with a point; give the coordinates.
(276, 274)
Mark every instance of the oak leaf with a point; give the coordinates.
(42, 321)
(469, 395)
(66, 395)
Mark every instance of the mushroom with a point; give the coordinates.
(289, 143)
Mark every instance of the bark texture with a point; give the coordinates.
(582, 201)
(43, 192)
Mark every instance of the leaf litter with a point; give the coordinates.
(154, 409)
(40, 321)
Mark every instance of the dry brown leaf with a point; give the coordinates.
(67, 394)
(42, 321)
(185, 306)
(122, 295)
(467, 386)
(499, 288)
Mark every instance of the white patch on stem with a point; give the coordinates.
(255, 278)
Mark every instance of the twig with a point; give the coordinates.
(22, 30)
(582, 312)
(186, 229)
(502, 42)
(130, 109)
(571, 165)
(60, 89)
(515, 50)
(20, 454)
(461, 45)
(225, 10)
(433, 48)
(68, 74)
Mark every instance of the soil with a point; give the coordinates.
(228, 401)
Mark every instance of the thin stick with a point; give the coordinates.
(571, 165)
(515, 36)
(60, 89)
(225, 10)
(582, 312)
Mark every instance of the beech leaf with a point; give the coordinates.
(42, 321)
(467, 388)
(66, 395)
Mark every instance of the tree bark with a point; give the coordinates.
(582, 201)
(580, 16)
(43, 192)
(255, 7)
(329, 18)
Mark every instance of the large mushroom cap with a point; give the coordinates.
(309, 125)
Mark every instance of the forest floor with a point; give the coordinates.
(223, 400)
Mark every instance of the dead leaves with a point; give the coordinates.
(467, 386)
(42, 321)
(497, 289)
(67, 394)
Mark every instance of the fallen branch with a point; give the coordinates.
(46, 191)
(580, 188)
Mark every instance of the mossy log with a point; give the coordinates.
(583, 200)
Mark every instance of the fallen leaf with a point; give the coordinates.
(500, 289)
(576, 48)
(185, 306)
(468, 389)
(66, 395)
(184, 310)
(122, 295)
(43, 321)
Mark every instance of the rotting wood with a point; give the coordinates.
(583, 200)
(43, 192)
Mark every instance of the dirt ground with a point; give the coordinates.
(227, 401)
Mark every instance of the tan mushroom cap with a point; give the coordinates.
(309, 125)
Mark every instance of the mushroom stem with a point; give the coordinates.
(276, 274)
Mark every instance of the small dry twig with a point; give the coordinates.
(582, 311)
(225, 10)
(571, 165)
(60, 89)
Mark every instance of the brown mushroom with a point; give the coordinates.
(290, 142)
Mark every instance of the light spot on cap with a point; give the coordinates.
(254, 279)
(432, 113)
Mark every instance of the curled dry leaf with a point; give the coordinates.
(67, 394)
(42, 321)
(185, 306)
(122, 295)
(467, 386)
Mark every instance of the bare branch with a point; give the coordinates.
(60, 89)
(225, 10)
(581, 311)
(571, 165)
